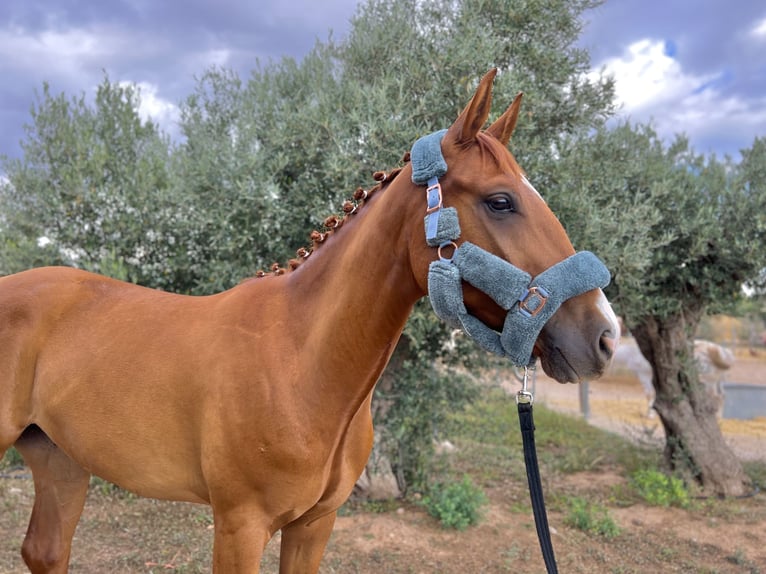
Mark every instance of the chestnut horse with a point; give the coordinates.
(257, 400)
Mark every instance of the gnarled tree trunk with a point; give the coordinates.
(694, 444)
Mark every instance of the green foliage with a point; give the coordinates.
(93, 186)
(11, 459)
(660, 489)
(414, 398)
(590, 517)
(677, 230)
(106, 488)
(756, 470)
(456, 505)
(263, 163)
(680, 233)
(421, 60)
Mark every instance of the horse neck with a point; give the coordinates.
(357, 290)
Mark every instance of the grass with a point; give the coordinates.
(490, 449)
(591, 517)
(489, 431)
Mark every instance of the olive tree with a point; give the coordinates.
(93, 190)
(681, 234)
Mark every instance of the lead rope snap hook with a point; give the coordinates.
(524, 395)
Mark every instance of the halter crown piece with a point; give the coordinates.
(530, 302)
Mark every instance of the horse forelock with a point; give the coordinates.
(490, 146)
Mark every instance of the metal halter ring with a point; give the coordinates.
(446, 244)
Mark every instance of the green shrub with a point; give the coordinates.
(756, 470)
(591, 518)
(457, 505)
(11, 459)
(660, 489)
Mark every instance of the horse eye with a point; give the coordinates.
(500, 203)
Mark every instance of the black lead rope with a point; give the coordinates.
(527, 423)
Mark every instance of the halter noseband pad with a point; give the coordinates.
(509, 287)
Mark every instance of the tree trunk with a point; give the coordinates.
(694, 447)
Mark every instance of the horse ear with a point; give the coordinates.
(502, 128)
(475, 114)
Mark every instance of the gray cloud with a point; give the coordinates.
(70, 44)
(712, 42)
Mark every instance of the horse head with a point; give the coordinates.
(495, 236)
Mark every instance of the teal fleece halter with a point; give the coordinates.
(529, 302)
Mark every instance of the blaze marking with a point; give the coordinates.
(530, 186)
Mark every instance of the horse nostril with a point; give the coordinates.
(607, 344)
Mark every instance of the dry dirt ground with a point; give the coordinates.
(121, 533)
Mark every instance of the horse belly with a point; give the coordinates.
(123, 422)
(147, 457)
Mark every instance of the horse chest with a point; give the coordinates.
(312, 456)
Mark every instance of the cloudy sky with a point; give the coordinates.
(691, 66)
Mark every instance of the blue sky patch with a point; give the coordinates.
(670, 49)
(719, 81)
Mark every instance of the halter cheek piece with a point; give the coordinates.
(529, 302)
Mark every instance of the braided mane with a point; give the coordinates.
(334, 222)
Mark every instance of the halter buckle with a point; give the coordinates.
(433, 197)
(533, 301)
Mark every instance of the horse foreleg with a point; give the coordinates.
(303, 544)
(240, 539)
(61, 486)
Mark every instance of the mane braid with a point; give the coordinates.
(334, 222)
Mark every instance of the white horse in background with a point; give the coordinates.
(712, 362)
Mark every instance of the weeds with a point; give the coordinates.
(660, 489)
(457, 505)
(108, 489)
(11, 459)
(756, 470)
(740, 559)
(592, 518)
